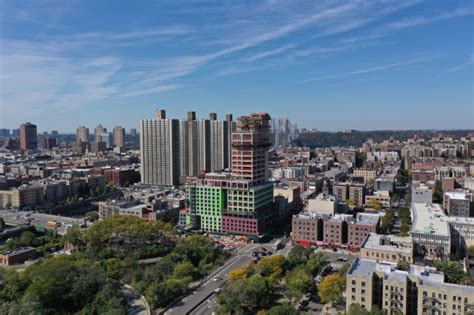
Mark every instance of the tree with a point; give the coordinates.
(470, 252)
(453, 271)
(184, 269)
(298, 255)
(271, 267)
(246, 296)
(284, 309)
(92, 215)
(298, 282)
(387, 221)
(8, 205)
(238, 274)
(331, 288)
(123, 236)
(316, 262)
(375, 204)
(351, 203)
(356, 309)
(403, 265)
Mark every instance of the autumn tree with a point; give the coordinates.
(331, 288)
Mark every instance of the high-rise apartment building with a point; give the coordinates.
(28, 137)
(201, 145)
(159, 151)
(119, 137)
(99, 130)
(82, 134)
(49, 143)
(133, 133)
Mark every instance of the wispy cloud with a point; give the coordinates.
(466, 64)
(390, 66)
(410, 22)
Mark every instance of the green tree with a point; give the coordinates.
(387, 221)
(298, 282)
(316, 262)
(184, 269)
(123, 236)
(8, 205)
(356, 309)
(298, 255)
(246, 296)
(284, 309)
(92, 215)
(453, 271)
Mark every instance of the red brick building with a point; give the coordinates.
(361, 228)
(18, 256)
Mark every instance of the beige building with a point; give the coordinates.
(22, 196)
(368, 175)
(382, 196)
(322, 204)
(387, 248)
(82, 134)
(420, 290)
(119, 137)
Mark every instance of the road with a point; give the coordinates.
(38, 219)
(214, 281)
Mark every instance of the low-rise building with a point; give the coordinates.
(379, 196)
(388, 248)
(17, 256)
(458, 203)
(323, 205)
(307, 229)
(335, 231)
(421, 194)
(419, 291)
(360, 228)
(430, 231)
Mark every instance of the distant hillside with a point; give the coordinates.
(357, 138)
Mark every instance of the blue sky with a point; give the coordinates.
(331, 65)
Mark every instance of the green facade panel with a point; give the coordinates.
(210, 201)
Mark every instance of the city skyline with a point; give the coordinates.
(364, 65)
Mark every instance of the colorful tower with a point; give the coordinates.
(239, 202)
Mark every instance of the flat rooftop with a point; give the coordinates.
(429, 219)
(392, 243)
(19, 250)
(457, 195)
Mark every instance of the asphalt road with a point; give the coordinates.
(38, 219)
(216, 280)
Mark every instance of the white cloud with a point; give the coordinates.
(463, 65)
(390, 66)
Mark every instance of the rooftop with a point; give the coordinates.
(19, 250)
(429, 219)
(457, 195)
(389, 243)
